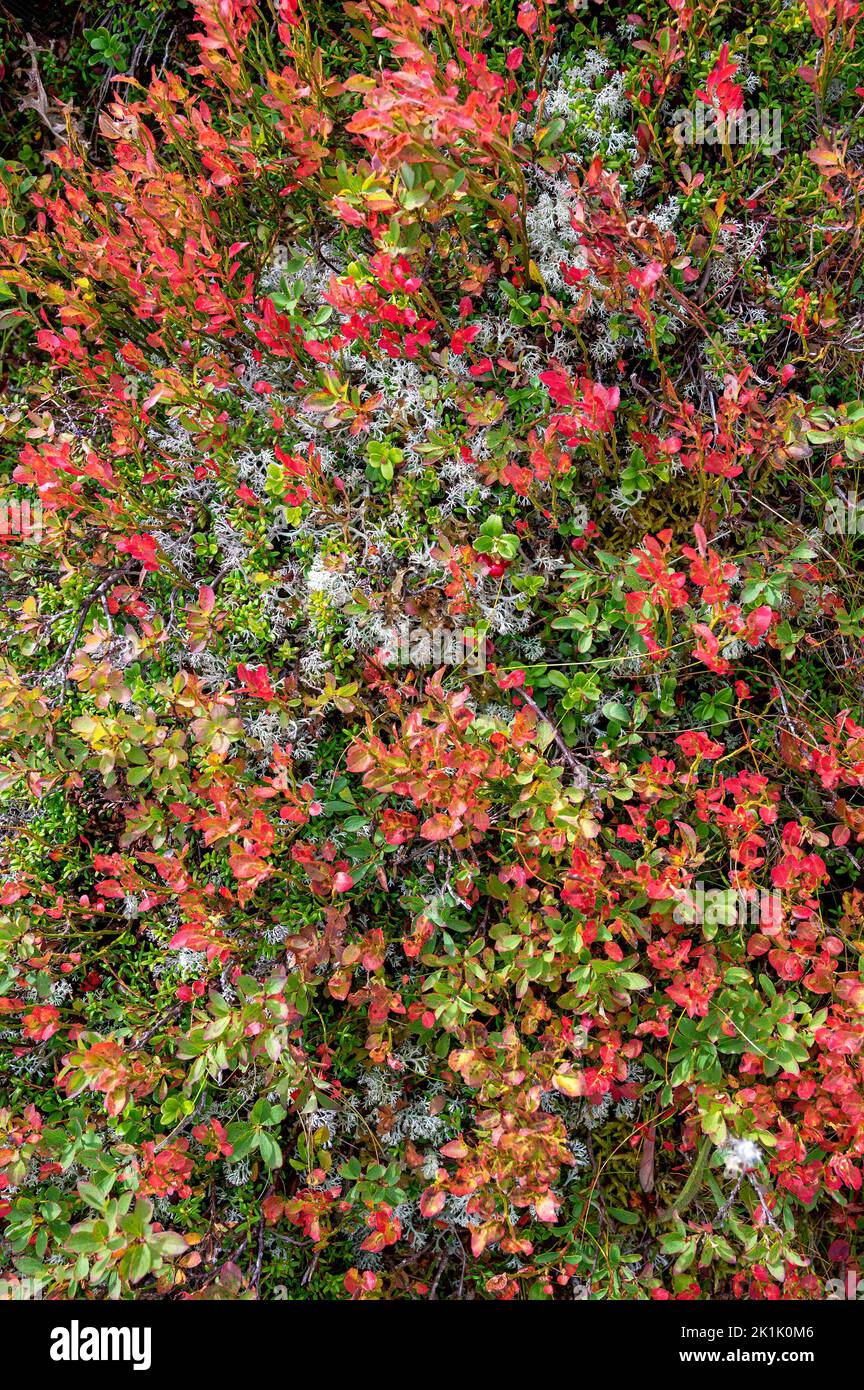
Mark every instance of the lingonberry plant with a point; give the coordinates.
(373, 981)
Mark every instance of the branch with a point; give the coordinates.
(581, 775)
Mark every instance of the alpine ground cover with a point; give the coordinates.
(431, 716)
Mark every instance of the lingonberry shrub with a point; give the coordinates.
(394, 981)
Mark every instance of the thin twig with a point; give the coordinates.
(97, 593)
(580, 772)
(259, 1259)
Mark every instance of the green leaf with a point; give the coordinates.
(137, 1262)
(269, 1150)
(629, 979)
(613, 710)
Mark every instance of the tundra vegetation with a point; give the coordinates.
(340, 976)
